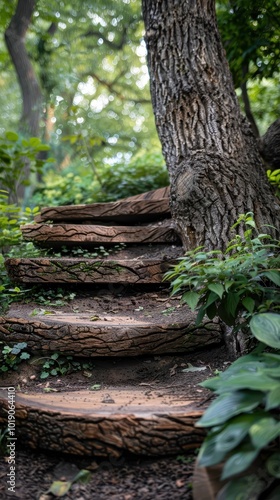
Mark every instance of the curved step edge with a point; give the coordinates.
(71, 423)
(73, 335)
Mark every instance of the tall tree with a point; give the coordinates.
(211, 153)
(31, 92)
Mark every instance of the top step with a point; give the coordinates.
(118, 211)
(141, 208)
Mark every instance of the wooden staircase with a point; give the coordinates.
(110, 322)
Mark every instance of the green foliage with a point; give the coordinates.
(274, 179)
(52, 297)
(79, 184)
(9, 222)
(244, 418)
(12, 244)
(250, 33)
(15, 154)
(57, 365)
(12, 356)
(234, 285)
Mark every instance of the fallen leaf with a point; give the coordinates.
(60, 488)
(192, 368)
(94, 318)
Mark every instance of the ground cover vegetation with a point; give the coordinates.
(242, 288)
(95, 140)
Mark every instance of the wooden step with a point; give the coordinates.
(155, 194)
(109, 325)
(78, 270)
(118, 211)
(72, 234)
(105, 423)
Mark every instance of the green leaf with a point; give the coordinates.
(191, 298)
(274, 276)
(228, 405)
(264, 431)
(212, 297)
(211, 311)
(60, 488)
(239, 462)
(232, 302)
(55, 356)
(255, 381)
(273, 399)
(216, 288)
(24, 355)
(243, 488)
(11, 136)
(235, 431)
(249, 304)
(208, 453)
(266, 328)
(228, 285)
(273, 464)
(83, 476)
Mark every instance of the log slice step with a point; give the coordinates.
(79, 270)
(105, 423)
(109, 325)
(119, 211)
(87, 234)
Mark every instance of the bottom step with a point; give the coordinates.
(141, 406)
(105, 423)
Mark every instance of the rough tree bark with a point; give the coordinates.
(215, 169)
(30, 88)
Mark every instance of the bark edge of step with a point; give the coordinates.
(118, 337)
(76, 423)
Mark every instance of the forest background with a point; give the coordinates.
(92, 96)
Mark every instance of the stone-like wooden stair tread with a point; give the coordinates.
(61, 234)
(84, 270)
(120, 211)
(105, 423)
(155, 194)
(112, 333)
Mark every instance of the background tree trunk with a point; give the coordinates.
(30, 88)
(215, 169)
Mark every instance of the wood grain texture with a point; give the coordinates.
(120, 211)
(84, 423)
(77, 270)
(156, 194)
(62, 234)
(107, 335)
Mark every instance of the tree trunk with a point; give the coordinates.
(246, 100)
(30, 89)
(215, 169)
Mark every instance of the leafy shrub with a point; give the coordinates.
(15, 153)
(233, 285)
(77, 184)
(12, 356)
(12, 244)
(244, 419)
(57, 364)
